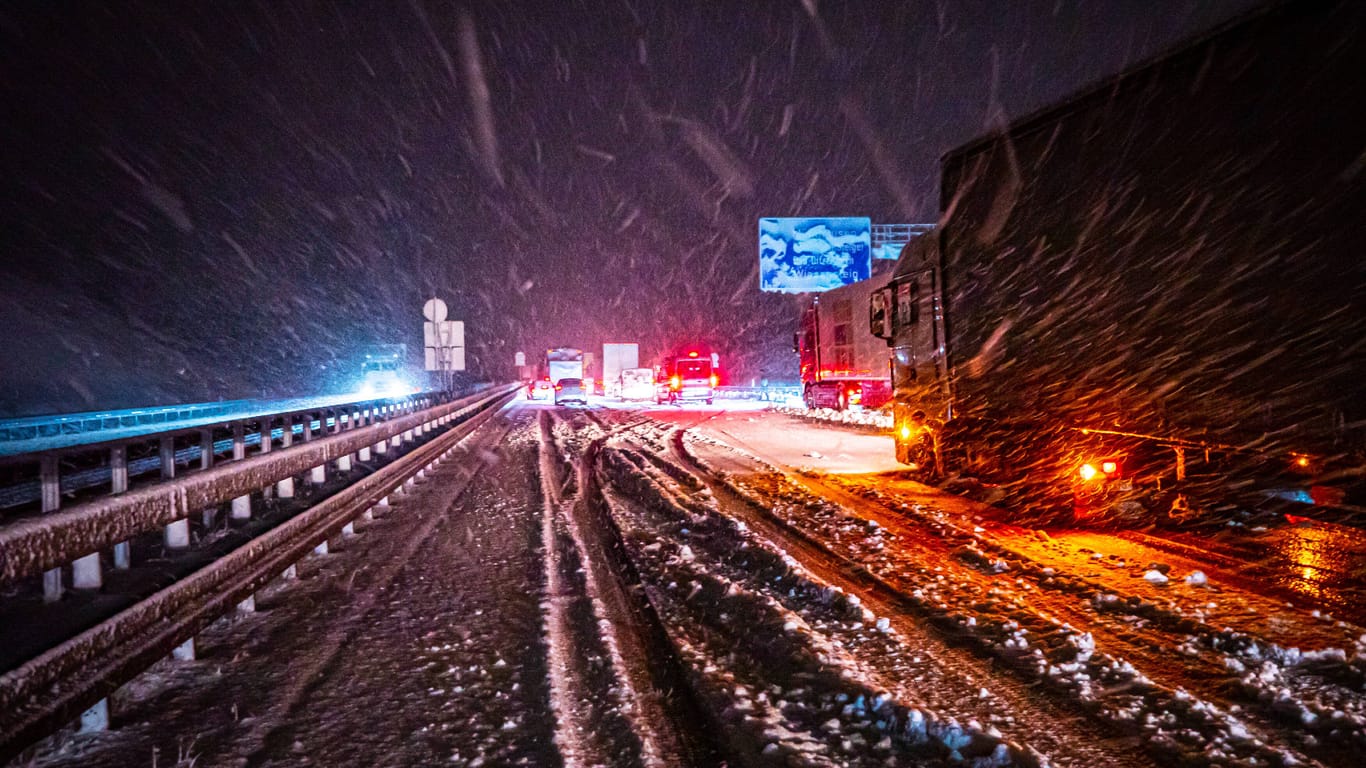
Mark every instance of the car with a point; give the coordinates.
(570, 391)
(539, 390)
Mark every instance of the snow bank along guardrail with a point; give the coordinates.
(74, 678)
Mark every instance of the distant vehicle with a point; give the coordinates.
(692, 374)
(570, 391)
(840, 364)
(617, 357)
(382, 372)
(637, 384)
(563, 363)
(1141, 297)
(540, 390)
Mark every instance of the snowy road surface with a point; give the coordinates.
(655, 586)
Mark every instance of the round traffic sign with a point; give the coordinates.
(434, 310)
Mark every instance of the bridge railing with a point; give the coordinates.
(75, 677)
(54, 536)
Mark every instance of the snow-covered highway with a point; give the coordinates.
(717, 586)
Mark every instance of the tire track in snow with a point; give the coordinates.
(593, 724)
(1068, 739)
(1228, 727)
(571, 722)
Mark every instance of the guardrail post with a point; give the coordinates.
(210, 514)
(241, 506)
(96, 719)
(177, 532)
(285, 487)
(118, 483)
(267, 438)
(86, 572)
(50, 478)
(184, 651)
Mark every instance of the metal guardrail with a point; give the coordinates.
(765, 394)
(58, 685)
(33, 544)
(32, 427)
(75, 433)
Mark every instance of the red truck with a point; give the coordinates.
(841, 364)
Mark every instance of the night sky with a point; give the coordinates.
(227, 200)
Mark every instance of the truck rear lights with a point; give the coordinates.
(675, 383)
(715, 380)
(1107, 470)
(905, 431)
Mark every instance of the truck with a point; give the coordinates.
(1151, 295)
(637, 384)
(841, 365)
(563, 363)
(617, 357)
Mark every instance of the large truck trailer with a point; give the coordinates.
(840, 364)
(1155, 287)
(564, 363)
(617, 357)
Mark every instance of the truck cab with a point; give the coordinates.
(908, 314)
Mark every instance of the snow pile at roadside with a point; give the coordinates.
(861, 418)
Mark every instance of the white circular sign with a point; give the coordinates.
(434, 310)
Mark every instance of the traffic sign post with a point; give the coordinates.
(443, 342)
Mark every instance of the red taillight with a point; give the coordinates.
(558, 387)
(715, 380)
(675, 383)
(1105, 471)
